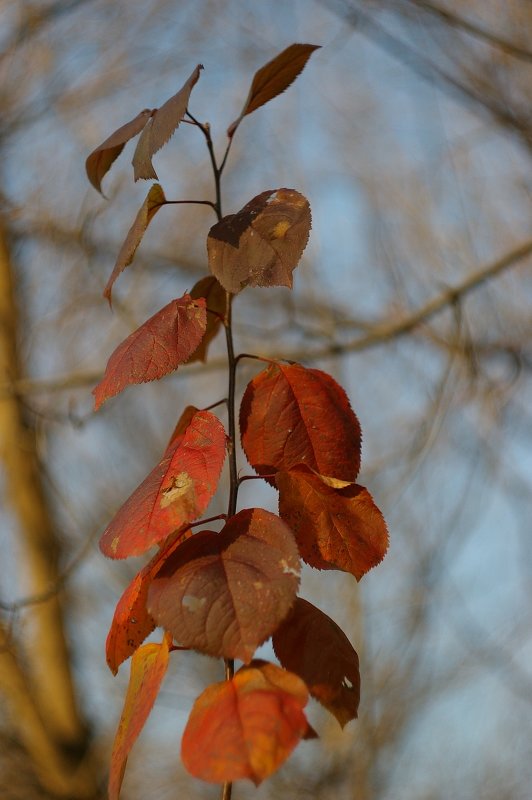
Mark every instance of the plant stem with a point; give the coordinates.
(226, 791)
(232, 363)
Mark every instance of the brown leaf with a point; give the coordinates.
(101, 159)
(262, 244)
(158, 347)
(176, 491)
(225, 593)
(273, 78)
(215, 298)
(310, 644)
(335, 528)
(163, 124)
(246, 727)
(148, 668)
(153, 202)
(292, 415)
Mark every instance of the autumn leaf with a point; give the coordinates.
(176, 491)
(262, 244)
(100, 160)
(335, 528)
(153, 202)
(158, 347)
(273, 78)
(148, 668)
(310, 644)
(293, 415)
(216, 301)
(225, 593)
(164, 122)
(131, 621)
(246, 727)
(182, 423)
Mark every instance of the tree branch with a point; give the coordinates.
(473, 29)
(381, 333)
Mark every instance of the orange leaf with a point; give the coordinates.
(273, 78)
(262, 244)
(101, 159)
(175, 492)
(182, 423)
(216, 299)
(153, 202)
(335, 528)
(310, 644)
(165, 120)
(131, 621)
(225, 593)
(246, 727)
(148, 668)
(158, 347)
(293, 415)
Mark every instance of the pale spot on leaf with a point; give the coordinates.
(280, 229)
(193, 603)
(287, 569)
(181, 485)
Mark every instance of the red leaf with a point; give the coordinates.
(216, 300)
(335, 528)
(273, 78)
(225, 593)
(292, 415)
(175, 492)
(262, 244)
(131, 621)
(158, 347)
(246, 727)
(163, 124)
(182, 424)
(101, 159)
(153, 202)
(148, 668)
(310, 644)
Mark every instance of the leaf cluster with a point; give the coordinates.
(223, 593)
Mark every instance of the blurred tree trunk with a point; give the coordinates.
(39, 689)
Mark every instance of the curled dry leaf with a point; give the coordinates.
(311, 644)
(164, 122)
(158, 347)
(176, 491)
(100, 160)
(216, 301)
(225, 593)
(148, 668)
(273, 78)
(262, 244)
(131, 621)
(246, 727)
(293, 415)
(335, 528)
(153, 202)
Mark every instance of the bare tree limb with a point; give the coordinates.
(53, 694)
(379, 334)
(472, 28)
(424, 68)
